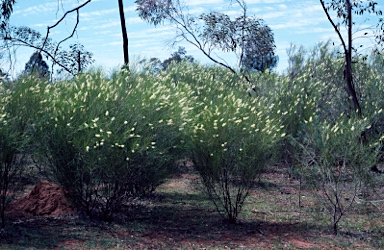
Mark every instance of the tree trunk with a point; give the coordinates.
(3, 194)
(2, 208)
(78, 62)
(335, 229)
(124, 33)
(348, 77)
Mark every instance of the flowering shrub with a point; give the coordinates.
(8, 154)
(106, 140)
(336, 162)
(233, 138)
(19, 106)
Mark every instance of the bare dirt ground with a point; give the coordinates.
(178, 216)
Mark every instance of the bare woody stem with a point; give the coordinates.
(65, 39)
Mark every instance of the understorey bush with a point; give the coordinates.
(20, 104)
(9, 152)
(232, 139)
(107, 140)
(337, 163)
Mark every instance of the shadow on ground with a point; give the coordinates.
(167, 220)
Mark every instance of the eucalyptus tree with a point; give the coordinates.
(6, 9)
(76, 59)
(71, 61)
(248, 37)
(13, 36)
(345, 10)
(37, 66)
(177, 57)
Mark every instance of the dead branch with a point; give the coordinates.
(53, 58)
(335, 27)
(184, 26)
(58, 22)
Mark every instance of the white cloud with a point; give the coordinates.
(232, 13)
(292, 24)
(283, 6)
(47, 7)
(51, 6)
(204, 2)
(315, 30)
(265, 1)
(299, 21)
(271, 15)
(153, 36)
(196, 10)
(98, 13)
(114, 43)
(110, 23)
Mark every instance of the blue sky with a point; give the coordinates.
(300, 22)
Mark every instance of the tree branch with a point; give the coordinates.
(53, 58)
(196, 42)
(334, 25)
(59, 21)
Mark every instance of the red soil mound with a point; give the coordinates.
(46, 198)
